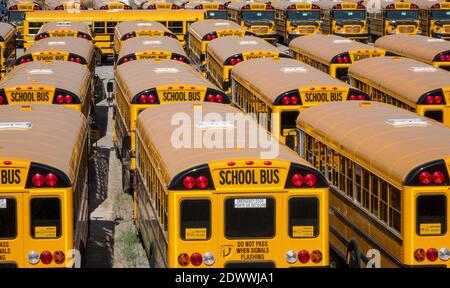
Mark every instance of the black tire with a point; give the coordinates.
(353, 257)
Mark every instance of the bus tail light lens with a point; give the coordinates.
(209, 259)
(196, 178)
(291, 256)
(297, 180)
(316, 256)
(59, 257)
(438, 177)
(432, 254)
(33, 257)
(189, 182)
(196, 259)
(310, 180)
(184, 259)
(51, 180)
(419, 255)
(435, 97)
(38, 180)
(444, 254)
(343, 58)
(46, 257)
(202, 182)
(303, 256)
(146, 97)
(425, 177)
(1, 100)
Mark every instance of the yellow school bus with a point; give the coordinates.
(434, 18)
(284, 88)
(71, 49)
(212, 9)
(16, 15)
(225, 207)
(64, 5)
(104, 22)
(157, 48)
(7, 48)
(130, 29)
(344, 18)
(204, 31)
(59, 83)
(146, 84)
(405, 83)
(332, 54)
(393, 17)
(296, 19)
(110, 5)
(224, 53)
(432, 51)
(156, 5)
(389, 186)
(258, 18)
(64, 29)
(43, 186)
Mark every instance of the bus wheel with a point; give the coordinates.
(353, 254)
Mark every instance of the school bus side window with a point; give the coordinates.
(8, 218)
(195, 222)
(45, 217)
(303, 217)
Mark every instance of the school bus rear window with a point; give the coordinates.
(45, 218)
(431, 215)
(303, 217)
(8, 218)
(249, 218)
(195, 219)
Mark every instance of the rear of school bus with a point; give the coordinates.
(248, 213)
(426, 206)
(16, 16)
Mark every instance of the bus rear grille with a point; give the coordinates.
(406, 29)
(306, 30)
(352, 29)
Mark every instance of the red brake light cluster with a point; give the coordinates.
(211, 36)
(36, 7)
(221, 7)
(214, 98)
(178, 58)
(357, 97)
(199, 7)
(286, 100)
(436, 6)
(147, 99)
(25, 60)
(126, 59)
(428, 178)
(196, 259)
(151, 7)
(64, 99)
(269, 7)
(246, 7)
(84, 36)
(75, 59)
(1, 100)
(292, 7)
(315, 7)
(175, 7)
(127, 7)
(343, 59)
(43, 36)
(298, 180)
(60, 7)
(338, 6)
(390, 6)
(46, 257)
(39, 180)
(444, 58)
(359, 6)
(13, 8)
(431, 254)
(200, 182)
(436, 99)
(82, 7)
(303, 256)
(413, 6)
(104, 8)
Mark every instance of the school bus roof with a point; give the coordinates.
(326, 47)
(65, 26)
(419, 47)
(225, 47)
(146, 74)
(239, 5)
(52, 4)
(144, 43)
(283, 4)
(99, 3)
(74, 45)
(426, 4)
(368, 132)
(382, 4)
(69, 76)
(155, 129)
(329, 4)
(115, 15)
(273, 77)
(132, 26)
(54, 139)
(200, 28)
(406, 77)
(5, 30)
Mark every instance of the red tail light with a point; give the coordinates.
(360, 7)
(338, 6)
(413, 6)
(46, 257)
(199, 7)
(127, 7)
(343, 59)
(60, 7)
(269, 7)
(425, 177)
(202, 182)
(82, 7)
(436, 6)
(438, 177)
(292, 7)
(151, 7)
(59, 257)
(104, 8)
(219, 98)
(61, 99)
(13, 8)
(303, 256)
(297, 180)
(390, 6)
(221, 7)
(419, 255)
(214, 98)
(432, 254)
(315, 7)
(1, 100)
(196, 259)
(75, 59)
(310, 179)
(189, 182)
(36, 7)
(38, 180)
(51, 180)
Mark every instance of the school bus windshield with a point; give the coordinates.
(440, 14)
(16, 17)
(303, 15)
(213, 14)
(258, 15)
(349, 15)
(402, 14)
